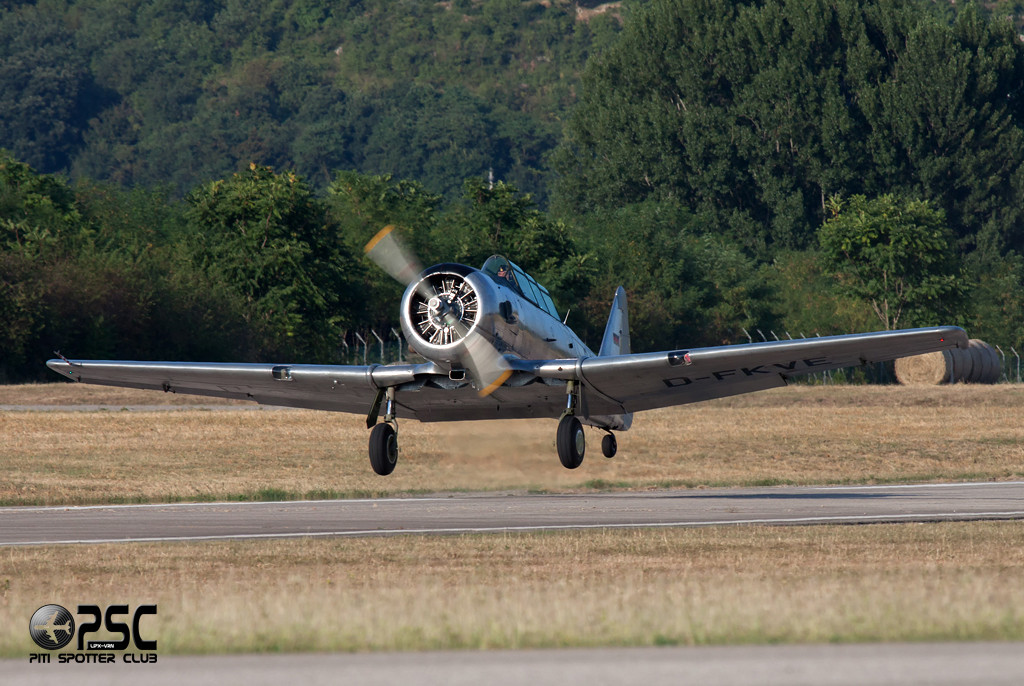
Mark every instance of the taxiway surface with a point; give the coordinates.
(482, 513)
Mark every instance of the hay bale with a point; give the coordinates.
(963, 365)
(929, 369)
(978, 363)
(988, 367)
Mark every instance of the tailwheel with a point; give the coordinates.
(383, 449)
(609, 445)
(571, 442)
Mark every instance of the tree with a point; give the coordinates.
(684, 289)
(268, 237)
(753, 113)
(895, 255)
(47, 94)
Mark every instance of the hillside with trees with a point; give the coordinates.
(197, 180)
(170, 93)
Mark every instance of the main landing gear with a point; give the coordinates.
(572, 443)
(570, 439)
(383, 437)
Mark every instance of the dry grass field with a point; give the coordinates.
(952, 581)
(796, 435)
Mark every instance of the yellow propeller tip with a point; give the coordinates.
(496, 383)
(379, 237)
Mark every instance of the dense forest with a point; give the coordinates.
(196, 180)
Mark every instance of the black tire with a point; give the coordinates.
(383, 449)
(571, 442)
(609, 445)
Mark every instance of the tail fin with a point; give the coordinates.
(616, 333)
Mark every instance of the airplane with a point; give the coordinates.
(51, 627)
(496, 348)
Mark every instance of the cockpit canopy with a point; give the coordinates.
(510, 274)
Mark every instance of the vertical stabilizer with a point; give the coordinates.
(616, 333)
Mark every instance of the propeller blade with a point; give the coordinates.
(391, 255)
(486, 364)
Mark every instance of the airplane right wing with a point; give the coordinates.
(630, 383)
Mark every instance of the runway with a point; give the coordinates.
(487, 513)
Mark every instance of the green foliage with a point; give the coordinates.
(361, 205)
(158, 93)
(807, 301)
(894, 255)
(267, 237)
(47, 94)
(755, 112)
(684, 289)
(996, 299)
(37, 213)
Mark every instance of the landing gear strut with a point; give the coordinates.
(384, 437)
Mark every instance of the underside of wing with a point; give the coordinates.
(422, 391)
(630, 383)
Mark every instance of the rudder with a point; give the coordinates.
(616, 332)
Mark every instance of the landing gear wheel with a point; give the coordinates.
(383, 449)
(609, 445)
(571, 441)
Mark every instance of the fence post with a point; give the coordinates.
(375, 335)
(401, 343)
(1002, 364)
(363, 341)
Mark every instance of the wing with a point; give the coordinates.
(612, 386)
(630, 383)
(423, 391)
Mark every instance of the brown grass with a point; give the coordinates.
(797, 435)
(952, 581)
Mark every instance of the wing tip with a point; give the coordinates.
(62, 367)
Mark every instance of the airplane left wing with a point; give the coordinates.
(631, 383)
(424, 391)
(321, 387)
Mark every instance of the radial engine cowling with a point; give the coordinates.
(442, 306)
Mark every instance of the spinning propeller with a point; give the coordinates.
(443, 312)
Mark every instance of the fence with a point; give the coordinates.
(372, 347)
